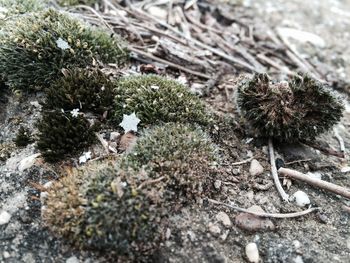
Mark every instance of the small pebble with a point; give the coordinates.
(296, 244)
(6, 254)
(27, 162)
(298, 259)
(224, 219)
(345, 169)
(214, 229)
(217, 184)
(72, 259)
(114, 136)
(301, 198)
(252, 252)
(255, 168)
(4, 217)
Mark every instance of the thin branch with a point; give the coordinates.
(339, 190)
(243, 162)
(287, 215)
(340, 140)
(150, 182)
(278, 185)
(170, 64)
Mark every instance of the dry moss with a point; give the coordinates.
(299, 109)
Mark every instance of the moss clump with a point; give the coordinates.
(124, 221)
(64, 207)
(299, 109)
(35, 48)
(84, 89)
(181, 154)
(63, 135)
(14, 7)
(23, 137)
(94, 208)
(156, 99)
(77, 2)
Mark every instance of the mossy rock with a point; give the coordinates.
(299, 109)
(62, 135)
(83, 89)
(157, 100)
(34, 48)
(180, 154)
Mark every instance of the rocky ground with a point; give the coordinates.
(207, 232)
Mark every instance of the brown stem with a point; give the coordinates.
(315, 182)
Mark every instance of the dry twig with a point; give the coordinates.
(288, 215)
(283, 194)
(339, 190)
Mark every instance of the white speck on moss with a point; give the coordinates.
(62, 44)
(130, 122)
(75, 113)
(86, 156)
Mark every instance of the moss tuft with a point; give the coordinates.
(299, 109)
(95, 209)
(77, 2)
(62, 135)
(183, 155)
(35, 48)
(84, 89)
(156, 99)
(15, 7)
(23, 137)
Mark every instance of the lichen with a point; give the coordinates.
(62, 135)
(83, 89)
(35, 48)
(288, 111)
(157, 100)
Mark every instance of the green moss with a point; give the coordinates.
(62, 135)
(183, 155)
(23, 137)
(35, 48)
(84, 89)
(299, 109)
(124, 222)
(15, 7)
(77, 2)
(94, 208)
(156, 99)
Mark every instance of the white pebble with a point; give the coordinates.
(27, 162)
(224, 219)
(345, 169)
(6, 254)
(72, 259)
(252, 252)
(296, 244)
(4, 218)
(298, 259)
(214, 229)
(255, 168)
(301, 198)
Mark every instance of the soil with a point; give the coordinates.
(322, 236)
